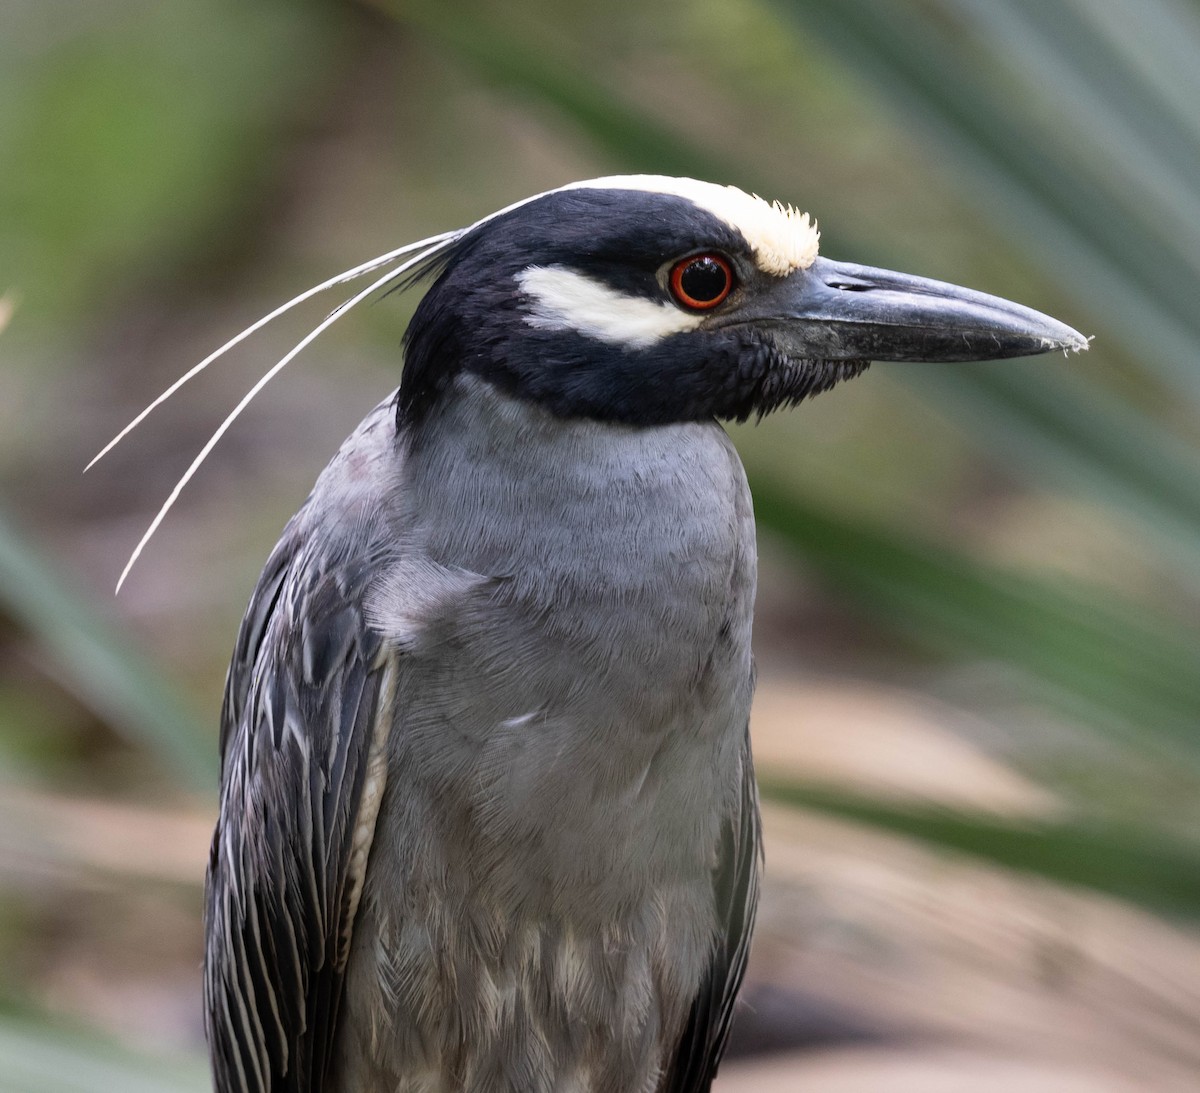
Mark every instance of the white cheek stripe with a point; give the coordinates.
(562, 299)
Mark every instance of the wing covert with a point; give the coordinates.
(306, 705)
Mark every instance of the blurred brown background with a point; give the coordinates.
(978, 724)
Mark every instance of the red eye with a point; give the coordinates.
(701, 281)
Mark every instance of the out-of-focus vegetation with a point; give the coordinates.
(1018, 541)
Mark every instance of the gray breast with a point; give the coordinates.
(570, 606)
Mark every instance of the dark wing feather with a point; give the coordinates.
(735, 888)
(302, 699)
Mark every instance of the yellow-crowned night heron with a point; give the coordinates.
(488, 817)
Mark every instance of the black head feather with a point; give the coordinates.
(475, 318)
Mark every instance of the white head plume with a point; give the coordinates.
(781, 239)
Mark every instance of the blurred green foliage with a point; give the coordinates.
(1049, 151)
(129, 131)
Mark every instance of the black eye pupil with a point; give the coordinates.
(704, 279)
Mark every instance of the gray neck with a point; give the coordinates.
(499, 486)
(624, 558)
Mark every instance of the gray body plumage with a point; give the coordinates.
(562, 613)
(488, 816)
(582, 679)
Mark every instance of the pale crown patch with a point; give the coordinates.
(783, 240)
(563, 299)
